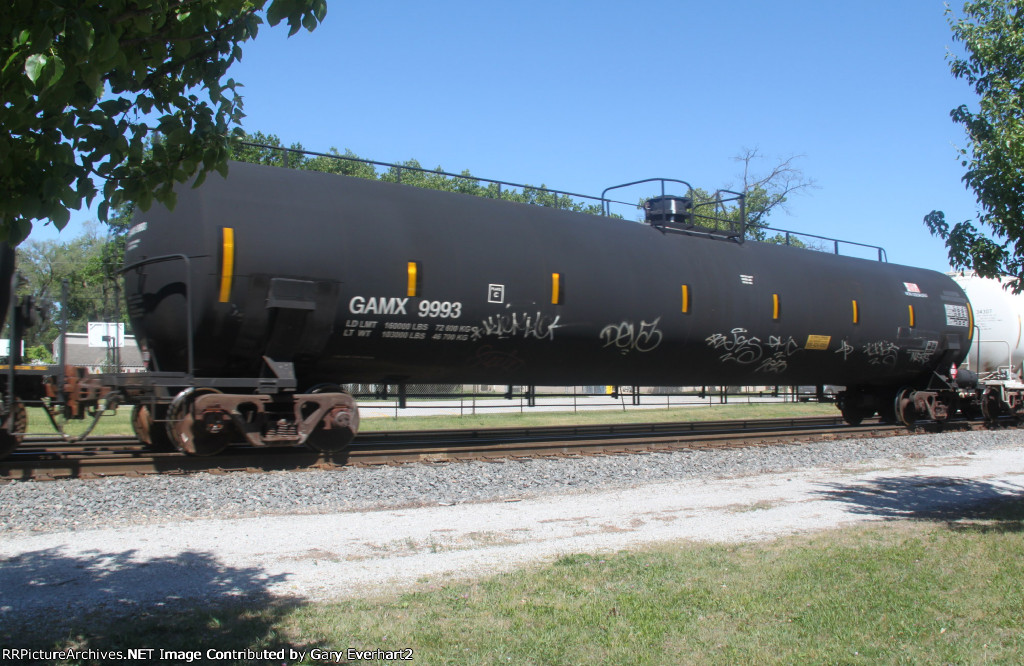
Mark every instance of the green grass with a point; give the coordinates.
(903, 592)
(630, 415)
(119, 423)
(111, 423)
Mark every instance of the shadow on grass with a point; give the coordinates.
(966, 504)
(50, 599)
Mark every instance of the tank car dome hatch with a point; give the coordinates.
(669, 209)
(998, 342)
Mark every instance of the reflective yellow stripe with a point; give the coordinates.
(411, 289)
(775, 306)
(856, 313)
(227, 263)
(970, 322)
(556, 288)
(911, 308)
(686, 298)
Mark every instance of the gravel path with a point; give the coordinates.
(134, 542)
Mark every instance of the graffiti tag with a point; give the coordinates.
(740, 348)
(517, 325)
(745, 349)
(882, 353)
(627, 336)
(776, 364)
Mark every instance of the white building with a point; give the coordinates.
(101, 359)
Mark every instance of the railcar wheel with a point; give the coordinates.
(991, 404)
(150, 432)
(12, 428)
(904, 407)
(853, 415)
(337, 438)
(344, 422)
(851, 406)
(887, 409)
(196, 437)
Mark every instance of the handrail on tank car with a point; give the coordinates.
(882, 256)
(188, 295)
(737, 196)
(401, 167)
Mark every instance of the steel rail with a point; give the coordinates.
(42, 460)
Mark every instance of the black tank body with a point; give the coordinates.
(355, 280)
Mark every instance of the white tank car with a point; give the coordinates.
(997, 343)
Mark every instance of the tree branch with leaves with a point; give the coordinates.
(86, 85)
(992, 34)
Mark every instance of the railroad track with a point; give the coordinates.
(42, 458)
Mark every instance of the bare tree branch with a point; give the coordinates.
(769, 191)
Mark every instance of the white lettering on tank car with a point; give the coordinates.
(440, 309)
(137, 229)
(393, 305)
(377, 305)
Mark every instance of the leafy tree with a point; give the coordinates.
(39, 354)
(543, 197)
(345, 167)
(259, 148)
(102, 270)
(992, 33)
(85, 82)
(89, 264)
(410, 172)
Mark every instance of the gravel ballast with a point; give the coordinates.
(131, 542)
(80, 504)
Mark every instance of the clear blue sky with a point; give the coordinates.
(581, 95)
